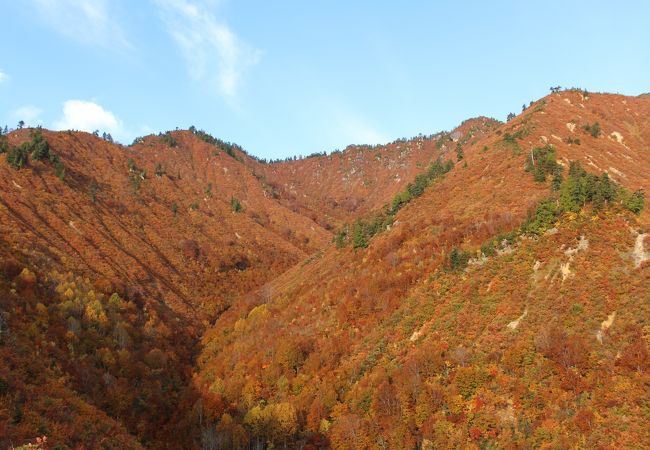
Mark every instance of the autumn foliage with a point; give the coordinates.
(179, 293)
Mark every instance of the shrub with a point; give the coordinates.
(457, 260)
(227, 147)
(4, 145)
(579, 189)
(39, 147)
(92, 190)
(235, 205)
(400, 200)
(582, 187)
(510, 141)
(168, 139)
(17, 157)
(59, 168)
(488, 248)
(556, 184)
(542, 218)
(542, 162)
(360, 235)
(459, 152)
(594, 129)
(634, 201)
(340, 238)
(159, 171)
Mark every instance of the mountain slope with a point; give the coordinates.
(345, 185)
(389, 346)
(481, 290)
(155, 218)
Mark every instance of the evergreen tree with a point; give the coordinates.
(457, 260)
(39, 146)
(635, 201)
(92, 190)
(235, 205)
(17, 157)
(359, 238)
(459, 152)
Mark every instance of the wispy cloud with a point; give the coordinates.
(3, 76)
(90, 22)
(214, 53)
(29, 114)
(89, 116)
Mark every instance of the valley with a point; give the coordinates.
(482, 287)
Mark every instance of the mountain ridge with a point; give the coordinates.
(248, 252)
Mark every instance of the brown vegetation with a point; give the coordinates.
(191, 296)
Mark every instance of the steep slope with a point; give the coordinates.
(463, 302)
(88, 368)
(153, 217)
(396, 345)
(112, 259)
(345, 185)
(605, 132)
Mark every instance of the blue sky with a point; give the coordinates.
(287, 78)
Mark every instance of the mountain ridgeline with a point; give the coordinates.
(486, 287)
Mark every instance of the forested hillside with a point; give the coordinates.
(485, 287)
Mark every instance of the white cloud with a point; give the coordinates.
(90, 22)
(88, 116)
(3, 76)
(29, 114)
(214, 54)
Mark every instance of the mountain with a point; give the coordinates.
(344, 185)
(393, 346)
(483, 287)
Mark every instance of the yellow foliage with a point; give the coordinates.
(41, 309)
(115, 300)
(27, 276)
(257, 314)
(324, 426)
(570, 216)
(240, 325)
(41, 315)
(251, 392)
(217, 387)
(455, 404)
(60, 288)
(285, 417)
